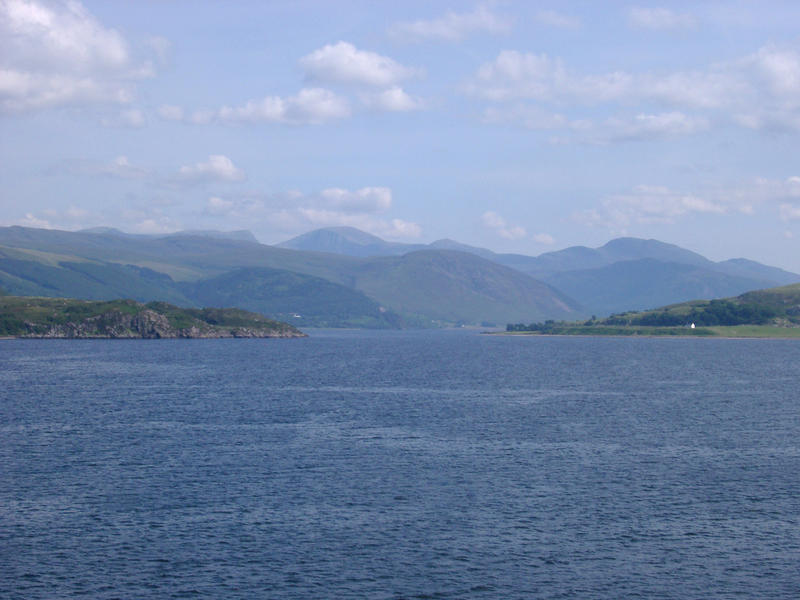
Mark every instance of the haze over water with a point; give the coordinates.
(434, 464)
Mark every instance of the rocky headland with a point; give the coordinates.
(25, 317)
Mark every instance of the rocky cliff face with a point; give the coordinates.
(149, 324)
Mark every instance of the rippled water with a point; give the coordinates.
(400, 465)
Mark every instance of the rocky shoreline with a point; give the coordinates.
(56, 319)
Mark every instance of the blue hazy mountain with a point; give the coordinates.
(624, 274)
(439, 287)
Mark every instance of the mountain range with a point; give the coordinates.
(624, 274)
(343, 277)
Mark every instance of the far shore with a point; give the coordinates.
(736, 332)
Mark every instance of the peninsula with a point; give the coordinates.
(770, 313)
(32, 317)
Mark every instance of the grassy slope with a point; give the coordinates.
(21, 315)
(437, 285)
(455, 286)
(285, 295)
(781, 303)
(639, 284)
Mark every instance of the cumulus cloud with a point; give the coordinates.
(31, 220)
(498, 224)
(392, 100)
(344, 63)
(453, 27)
(217, 206)
(392, 228)
(647, 205)
(544, 238)
(659, 18)
(790, 212)
(309, 106)
(54, 54)
(650, 127)
(295, 212)
(368, 199)
(516, 75)
(216, 168)
(760, 91)
(120, 168)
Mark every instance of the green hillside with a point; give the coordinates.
(773, 312)
(71, 318)
(430, 288)
(303, 300)
(447, 286)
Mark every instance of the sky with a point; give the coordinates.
(519, 126)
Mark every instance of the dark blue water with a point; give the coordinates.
(400, 465)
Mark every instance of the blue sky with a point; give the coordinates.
(518, 126)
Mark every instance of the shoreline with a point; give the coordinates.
(638, 335)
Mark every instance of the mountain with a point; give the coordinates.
(624, 274)
(348, 241)
(447, 285)
(777, 307)
(440, 287)
(639, 284)
(303, 300)
(28, 273)
(755, 270)
(354, 242)
(242, 235)
(581, 258)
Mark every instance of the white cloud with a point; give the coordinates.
(170, 112)
(344, 63)
(368, 199)
(659, 18)
(32, 220)
(218, 206)
(54, 54)
(306, 217)
(552, 18)
(120, 168)
(647, 205)
(614, 129)
(789, 212)
(216, 168)
(309, 106)
(498, 224)
(544, 238)
(392, 100)
(649, 127)
(760, 91)
(202, 117)
(294, 212)
(453, 26)
(154, 226)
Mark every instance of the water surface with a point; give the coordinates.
(440, 464)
